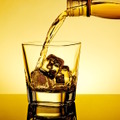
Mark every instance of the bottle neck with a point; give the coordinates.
(79, 7)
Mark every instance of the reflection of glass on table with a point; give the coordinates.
(51, 113)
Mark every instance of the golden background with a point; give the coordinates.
(29, 20)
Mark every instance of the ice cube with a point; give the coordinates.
(44, 66)
(66, 68)
(63, 75)
(51, 83)
(73, 79)
(56, 61)
(65, 71)
(50, 74)
(60, 87)
(51, 66)
(38, 80)
(73, 82)
(60, 78)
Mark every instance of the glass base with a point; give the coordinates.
(50, 98)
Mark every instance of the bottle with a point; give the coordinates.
(100, 8)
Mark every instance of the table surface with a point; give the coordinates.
(88, 107)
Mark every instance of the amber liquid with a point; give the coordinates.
(106, 10)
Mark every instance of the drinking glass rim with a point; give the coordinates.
(53, 43)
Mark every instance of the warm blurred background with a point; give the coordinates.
(29, 20)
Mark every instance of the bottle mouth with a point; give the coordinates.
(76, 7)
(73, 7)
